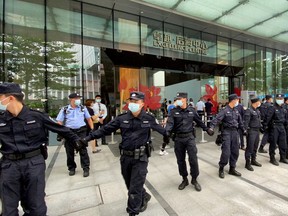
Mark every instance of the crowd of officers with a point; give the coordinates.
(24, 139)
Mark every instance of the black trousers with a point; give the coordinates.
(134, 172)
(23, 180)
(70, 153)
(181, 146)
(277, 136)
(252, 144)
(96, 127)
(264, 140)
(230, 147)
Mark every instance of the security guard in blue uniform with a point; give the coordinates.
(263, 110)
(252, 124)
(73, 116)
(231, 121)
(135, 126)
(23, 139)
(274, 122)
(180, 122)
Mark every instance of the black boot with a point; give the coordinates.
(145, 201)
(283, 160)
(255, 163)
(232, 171)
(221, 172)
(261, 149)
(196, 184)
(273, 160)
(248, 165)
(183, 184)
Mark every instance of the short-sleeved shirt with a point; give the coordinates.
(74, 117)
(200, 105)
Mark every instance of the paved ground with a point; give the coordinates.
(262, 192)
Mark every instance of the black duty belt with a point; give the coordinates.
(137, 153)
(230, 128)
(81, 129)
(184, 135)
(20, 156)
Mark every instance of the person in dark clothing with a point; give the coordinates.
(241, 110)
(135, 148)
(274, 122)
(208, 109)
(252, 124)
(180, 122)
(231, 121)
(263, 110)
(24, 140)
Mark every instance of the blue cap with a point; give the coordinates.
(6, 88)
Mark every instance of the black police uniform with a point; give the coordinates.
(180, 122)
(252, 124)
(231, 121)
(135, 132)
(23, 166)
(274, 122)
(264, 110)
(285, 106)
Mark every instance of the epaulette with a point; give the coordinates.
(39, 111)
(123, 112)
(150, 113)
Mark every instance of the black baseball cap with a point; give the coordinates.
(233, 97)
(181, 95)
(6, 88)
(137, 96)
(75, 95)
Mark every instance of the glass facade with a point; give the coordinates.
(53, 48)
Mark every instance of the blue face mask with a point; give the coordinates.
(179, 103)
(236, 104)
(280, 102)
(3, 107)
(77, 102)
(133, 107)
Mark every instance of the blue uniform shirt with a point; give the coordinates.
(74, 117)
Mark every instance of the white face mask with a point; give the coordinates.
(179, 103)
(77, 102)
(133, 107)
(236, 104)
(3, 107)
(279, 102)
(98, 100)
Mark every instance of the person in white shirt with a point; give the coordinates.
(100, 113)
(200, 107)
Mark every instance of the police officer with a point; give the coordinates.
(231, 121)
(263, 110)
(180, 122)
(135, 126)
(286, 126)
(274, 122)
(73, 116)
(23, 139)
(252, 124)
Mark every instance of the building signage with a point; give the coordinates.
(179, 43)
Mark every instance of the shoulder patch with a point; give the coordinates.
(150, 113)
(123, 112)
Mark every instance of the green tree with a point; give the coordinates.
(25, 64)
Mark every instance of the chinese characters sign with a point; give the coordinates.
(179, 43)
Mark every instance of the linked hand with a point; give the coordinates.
(80, 144)
(210, 132)
(245, 133)
(262, 130)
